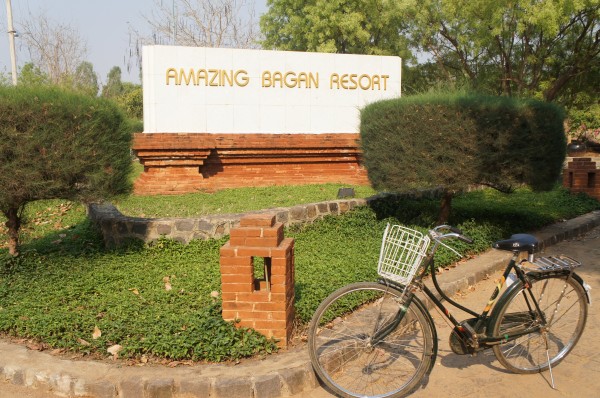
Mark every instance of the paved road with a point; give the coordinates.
(465, 376)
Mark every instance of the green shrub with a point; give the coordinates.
(58, 144)
(454, 141)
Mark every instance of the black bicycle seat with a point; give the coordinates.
(518, 243)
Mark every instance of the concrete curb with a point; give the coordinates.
(280, 375)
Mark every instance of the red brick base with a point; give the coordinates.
(582, 174)
(180, 163)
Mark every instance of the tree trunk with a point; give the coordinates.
(445, 207)
(13, 224)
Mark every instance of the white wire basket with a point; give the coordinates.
(402, 251)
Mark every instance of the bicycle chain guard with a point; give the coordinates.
(457, 343)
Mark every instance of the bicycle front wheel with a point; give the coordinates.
(563, 303)
(347, 358)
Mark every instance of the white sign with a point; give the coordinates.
(221, 90)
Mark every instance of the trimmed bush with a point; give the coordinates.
(58, 144)
(455, 141)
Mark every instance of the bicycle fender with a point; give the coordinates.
(587, 288)
(518, 285)
(429, 319)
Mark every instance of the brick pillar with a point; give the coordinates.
(582, 174)
(262, 299)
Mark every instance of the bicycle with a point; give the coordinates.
(377, 339)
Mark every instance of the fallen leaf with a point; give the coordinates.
(114, 350)
(135, 291)
(97, 333)
(35, 346)
(83, 342)
(167, 282)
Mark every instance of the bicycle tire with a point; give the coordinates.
(340, 349)
(567, 319)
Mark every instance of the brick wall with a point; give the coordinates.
(180, 163)
(582, 174)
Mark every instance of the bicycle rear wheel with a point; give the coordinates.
(563, 302)
(346, 358)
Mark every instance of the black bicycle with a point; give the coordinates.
(377, 339)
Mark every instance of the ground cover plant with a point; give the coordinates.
(66, 291)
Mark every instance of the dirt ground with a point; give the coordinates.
(467, 376)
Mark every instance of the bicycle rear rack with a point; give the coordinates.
(555, 263)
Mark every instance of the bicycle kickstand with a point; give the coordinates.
(549, 364)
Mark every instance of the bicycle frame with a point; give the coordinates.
(469, 334)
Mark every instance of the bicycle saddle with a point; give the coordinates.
(518, 243)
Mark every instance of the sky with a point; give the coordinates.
(105, 25)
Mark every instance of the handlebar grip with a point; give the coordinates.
(461, 236)
(465, 239)
(456, 230)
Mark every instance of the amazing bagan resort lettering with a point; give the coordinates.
(208, 77)
(290, 79)
(275, 79)
(353, 81)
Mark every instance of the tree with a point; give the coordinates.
(85, 79)
(336, 26)
(197, 23)
(56, 48)
(204, 23)
(32, 75)
(114, 86)
(127, 95)
(510, 47)
(455, 141)
(131, 101)
(58, 144)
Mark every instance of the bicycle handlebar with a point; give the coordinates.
(454, 233)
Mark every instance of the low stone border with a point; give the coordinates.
(117, 228)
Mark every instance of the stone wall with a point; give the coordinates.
(117, 228)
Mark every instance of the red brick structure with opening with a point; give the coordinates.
(260, 297)
(181, 163)
(582, 174)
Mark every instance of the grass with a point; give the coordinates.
(157, 301)
(226, 201)
(45, 218)
(231, 200)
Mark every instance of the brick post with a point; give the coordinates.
(263, 302)
(582, 174)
